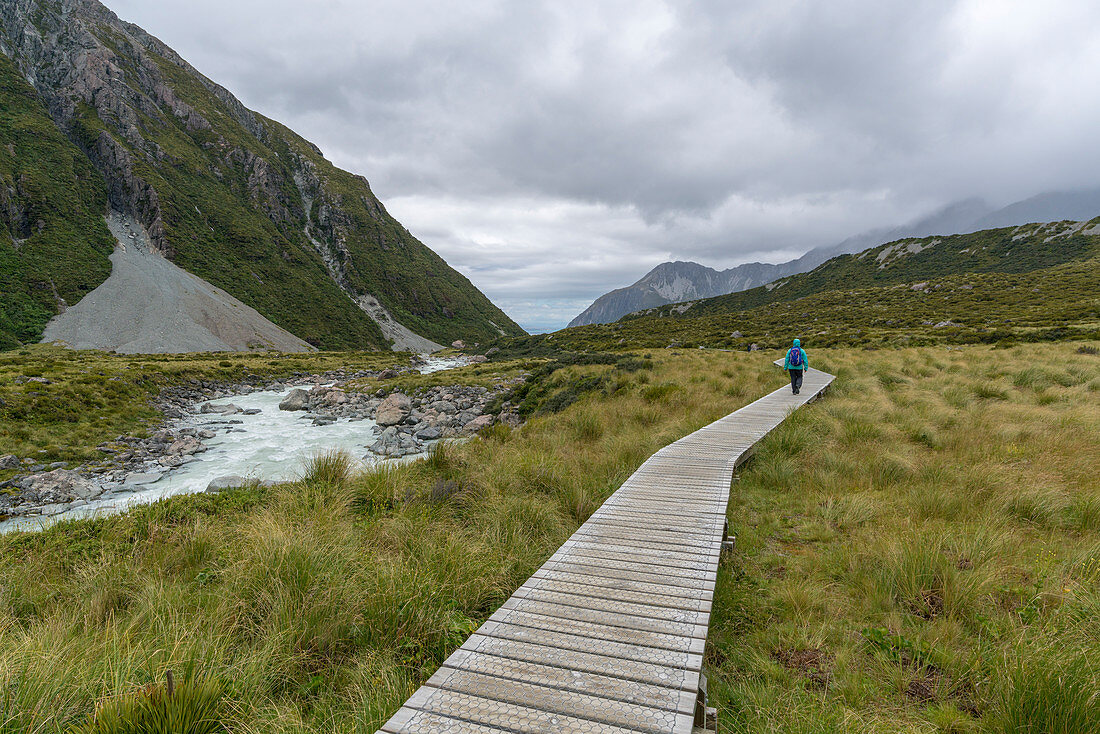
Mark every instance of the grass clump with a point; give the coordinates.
(1050, 690)
(332, 468)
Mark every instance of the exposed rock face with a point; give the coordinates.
(9, 462)
(393, 410)
(675, 282)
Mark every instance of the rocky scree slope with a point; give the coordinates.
(150, 305)
(99, 115)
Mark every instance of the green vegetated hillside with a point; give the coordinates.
(53, 242)
(1012, 250)
(235, 198)
(1037, 282)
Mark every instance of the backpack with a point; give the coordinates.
(795, 357)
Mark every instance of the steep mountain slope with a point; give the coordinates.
(968, 215)
(232, 197)
(53, 241)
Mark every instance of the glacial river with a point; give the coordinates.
(273, 445)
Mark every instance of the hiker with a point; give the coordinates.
(796, 365)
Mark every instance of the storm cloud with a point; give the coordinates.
(552, 151)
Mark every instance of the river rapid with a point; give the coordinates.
(271, 446)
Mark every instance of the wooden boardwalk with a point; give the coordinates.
(608, 635)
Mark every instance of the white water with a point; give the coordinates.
(272, 446)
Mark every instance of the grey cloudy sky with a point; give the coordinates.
(554, 150)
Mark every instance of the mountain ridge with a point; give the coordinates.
(960, 217)
(1034, 282)
(227, 194)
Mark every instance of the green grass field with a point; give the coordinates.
(917, 552)
(920, 552)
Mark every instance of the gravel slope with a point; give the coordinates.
(404, 339)
(149, 305)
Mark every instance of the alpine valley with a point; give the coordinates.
(143, 208)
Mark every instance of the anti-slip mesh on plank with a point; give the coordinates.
(607, 637)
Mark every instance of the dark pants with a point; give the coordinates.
(796, 380)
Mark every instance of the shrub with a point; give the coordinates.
(189, 708)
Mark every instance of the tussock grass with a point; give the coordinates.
(319, 605)
(930, 530)
(189, 708)
(912, 556)
(330, 467)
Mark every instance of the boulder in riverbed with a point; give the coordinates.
(477, 424)
(393, 410)
(430, 433)
(226, 482)
(334, 397)
(59, 485)
(298, 399)
(144, 477)
(186, 446)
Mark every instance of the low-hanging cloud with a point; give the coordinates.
(555, 150)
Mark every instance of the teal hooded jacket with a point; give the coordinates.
(805, 360)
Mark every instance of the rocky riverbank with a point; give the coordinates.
(397, 425)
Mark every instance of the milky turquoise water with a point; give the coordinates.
(274, 445)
